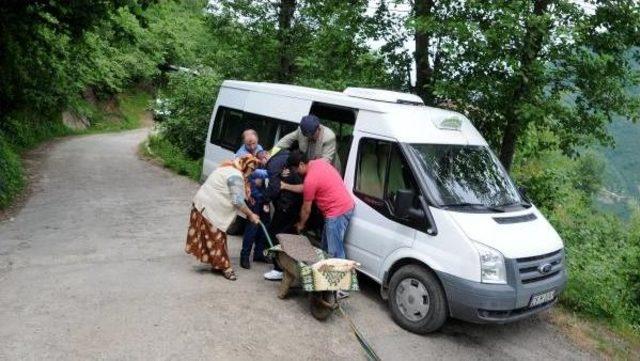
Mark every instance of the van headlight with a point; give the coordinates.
(492, 269)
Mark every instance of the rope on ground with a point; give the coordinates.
(366, 346)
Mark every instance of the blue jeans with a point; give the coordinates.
(333, 234)
(253, 234)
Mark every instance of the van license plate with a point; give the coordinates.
(542, 298)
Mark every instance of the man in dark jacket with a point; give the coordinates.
(286, 204)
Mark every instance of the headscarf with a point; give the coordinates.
(243, 164)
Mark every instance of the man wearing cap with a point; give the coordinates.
(314, 140)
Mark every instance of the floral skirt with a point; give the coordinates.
(207, 243)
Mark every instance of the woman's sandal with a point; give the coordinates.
(229, 274)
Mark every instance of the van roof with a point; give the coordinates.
(327, 96)
(407, 117)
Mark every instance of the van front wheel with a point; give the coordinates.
(416, 299)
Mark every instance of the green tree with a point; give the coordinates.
(550, 64)
(425, 67)
(321, 44)
(36, 38)
(286, 10)
(339, 54)
(190, 101)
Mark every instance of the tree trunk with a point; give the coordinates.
(287, 9)
(424, 71)
(530, 50)
(509, 141)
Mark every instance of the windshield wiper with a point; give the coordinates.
(522, 203)
(474, 205)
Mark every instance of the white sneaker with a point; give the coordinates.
(342, 294)
(273, 275)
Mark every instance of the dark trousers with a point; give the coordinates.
(282, 222)
(254, 235)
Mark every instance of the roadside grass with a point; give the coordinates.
(611, 341)
(171, 157)
(23, 130)
(19, 132)
(124, 112)
(12, 179)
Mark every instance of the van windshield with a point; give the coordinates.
(466, 176)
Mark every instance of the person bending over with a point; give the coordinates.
(214, 208)
(322, 184)
(314, 140)
(286, 204)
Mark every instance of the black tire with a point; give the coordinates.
(237, 227)
(406, 287)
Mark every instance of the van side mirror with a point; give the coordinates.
(523, 194)
(404, 205)
(523, 191)
(404, 209)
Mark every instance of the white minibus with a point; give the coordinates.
(438, 222)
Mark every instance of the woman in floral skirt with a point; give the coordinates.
(214, 208)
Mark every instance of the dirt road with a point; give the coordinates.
(93, 267)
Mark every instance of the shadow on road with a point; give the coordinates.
(466, 332)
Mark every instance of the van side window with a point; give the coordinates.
(286, 128)
(399, 177)
(372, 168)
(228, 128)
(230, 123)
(381, 171)
(265, 126)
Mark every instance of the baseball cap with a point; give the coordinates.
(309, 124)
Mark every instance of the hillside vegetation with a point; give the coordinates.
(621, 184)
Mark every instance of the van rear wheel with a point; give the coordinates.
(416, 299)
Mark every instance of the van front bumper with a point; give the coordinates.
(491, 303)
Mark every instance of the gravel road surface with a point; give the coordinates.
(93, 268)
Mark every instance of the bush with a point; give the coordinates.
(11, 174)
(25, 129)
(18, 132)
(173, 158)
(190, 100)
(603, 252)
(598, 250)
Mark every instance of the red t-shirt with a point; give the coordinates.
(323, 184)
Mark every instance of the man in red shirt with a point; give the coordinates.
(323, 184)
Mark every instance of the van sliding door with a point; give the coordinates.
(341, 120)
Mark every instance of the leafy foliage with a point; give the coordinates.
(11, 177)
(550, 64)
(601, 249)
(602, 254)
(18, 132)
(190, 101)
(173, 157)
(328, 43)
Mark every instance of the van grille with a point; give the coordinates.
(531, 269)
